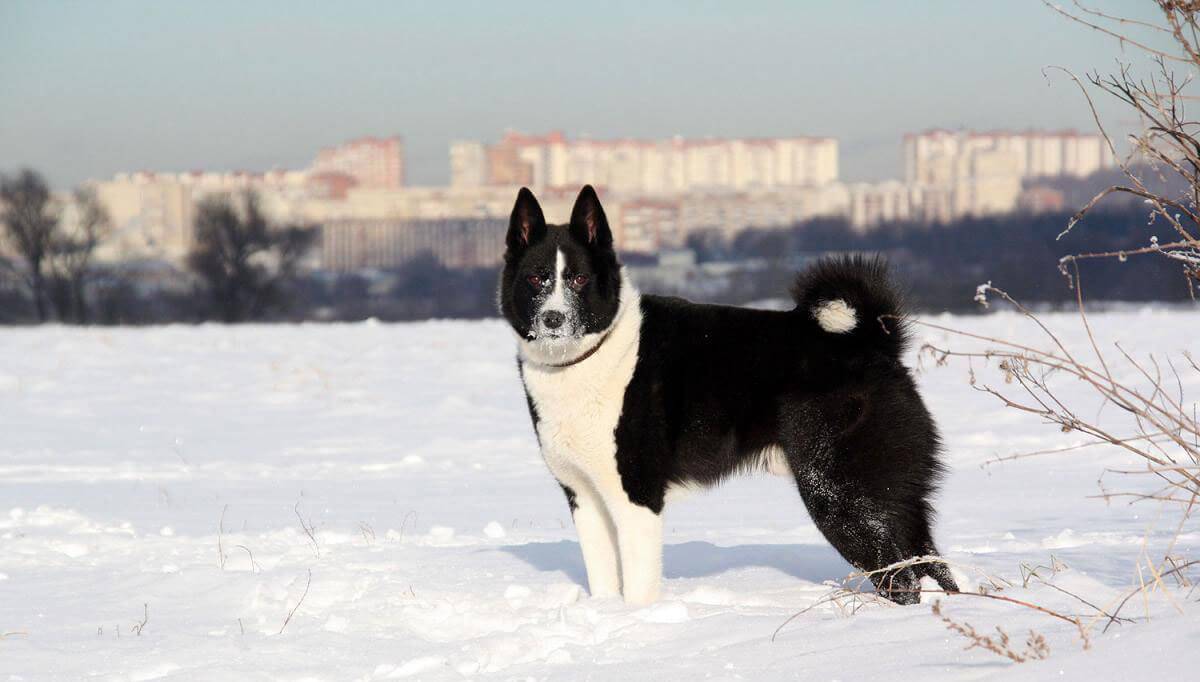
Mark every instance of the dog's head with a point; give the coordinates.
(561, 285)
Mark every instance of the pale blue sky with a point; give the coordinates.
(91, 88)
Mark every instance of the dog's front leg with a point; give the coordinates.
(639, 536)
(598, 541)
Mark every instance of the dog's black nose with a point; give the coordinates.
(553, 319)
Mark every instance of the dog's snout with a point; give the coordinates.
(553, 319)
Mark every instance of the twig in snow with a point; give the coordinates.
(221, 538)
(310, 531)
(254, 567)
(411, 512)
(298, 603)
(138, 627)
(368, 532)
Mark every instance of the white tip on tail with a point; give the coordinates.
(836, 316)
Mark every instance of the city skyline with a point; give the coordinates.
(658, 192)
(250, 89)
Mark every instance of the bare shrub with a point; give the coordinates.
(1154, 419)
(1167, 144)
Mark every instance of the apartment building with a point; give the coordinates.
(961, 173)
(354, 244)
(371, 161)
(648, 167)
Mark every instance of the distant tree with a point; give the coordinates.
(30, 222)
(244, 262)
(423, 276)
(708, 245)
(71, 249)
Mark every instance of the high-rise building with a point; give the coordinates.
(152, 214)
(982, 173)
(871, 204)
(373, 162)
(648, 167)
(468, 164)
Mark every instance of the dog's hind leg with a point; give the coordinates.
(597, 539)
(858, 527)
(939, 571)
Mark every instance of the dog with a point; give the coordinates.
(634, 398)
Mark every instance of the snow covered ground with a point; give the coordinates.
(158, 488)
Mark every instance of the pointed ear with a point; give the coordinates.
(588, 222)
(527, 223)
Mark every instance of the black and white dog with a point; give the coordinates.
(633, 397)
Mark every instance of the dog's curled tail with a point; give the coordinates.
(853, 297)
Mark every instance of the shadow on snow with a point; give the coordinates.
(814, 563)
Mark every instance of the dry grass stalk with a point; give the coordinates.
(310, 530)
(368, 533)
(296, 607)
(254, 566)
(1036, 647)
(849, 597)
(404, 521)
(221, 538)
(139, 626)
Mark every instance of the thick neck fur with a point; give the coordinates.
(552, 355)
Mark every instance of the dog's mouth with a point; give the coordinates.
(535, 335)
(562, 334)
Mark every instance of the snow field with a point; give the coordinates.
(196, 477)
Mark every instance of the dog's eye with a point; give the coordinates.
(534, 281)
(578, 281)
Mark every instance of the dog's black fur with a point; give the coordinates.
(716, 386)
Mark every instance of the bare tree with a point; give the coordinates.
(72, 248)
(30, 221)
(1168, 141)
(244, 262)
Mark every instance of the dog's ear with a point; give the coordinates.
(588, 222)
(527, 224)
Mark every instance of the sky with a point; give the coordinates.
(88, 89)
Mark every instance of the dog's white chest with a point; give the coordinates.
(578, 408)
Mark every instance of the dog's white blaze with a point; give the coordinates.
(836, 316)
(558, 295)
(558, 345)
(578, 407)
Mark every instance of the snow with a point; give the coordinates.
(194, 478)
